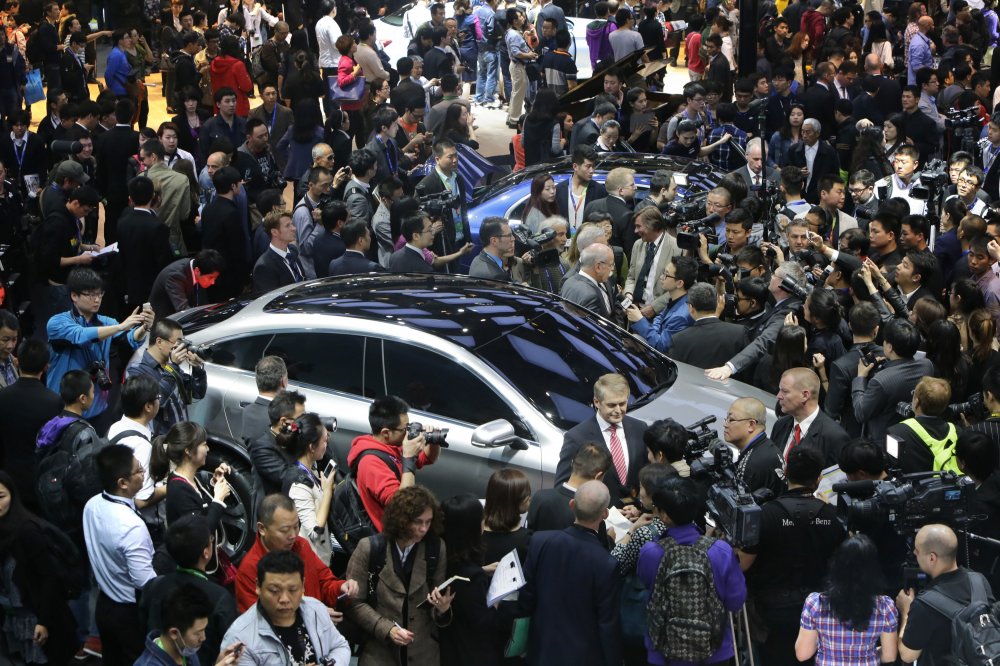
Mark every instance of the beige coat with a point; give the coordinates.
(378, 621)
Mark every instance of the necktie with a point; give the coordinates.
(647, 264)
(796, 438)
(618, 454)
(293, 263)
(756, 180)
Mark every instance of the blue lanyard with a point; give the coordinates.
(388, 154)
(19, 156)
(308, 471)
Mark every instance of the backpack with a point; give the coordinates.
(685, 615)
(943, 450)
(32, 48)
(349, 522)
(69, 568)
(975, 631)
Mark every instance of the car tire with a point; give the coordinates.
(238, 518)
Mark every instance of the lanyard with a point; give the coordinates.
(308, 471)
(992, 153)
(388, 154)
(274, 114)
(193, 572)
(575, 202)
(130, 507)
(19, 155)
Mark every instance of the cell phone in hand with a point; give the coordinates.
(330, 466)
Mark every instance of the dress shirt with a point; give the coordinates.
(842, 92)
(647, 289)
(575, 206)
(928, 105)
(9, 371)
(600, 287)
(118, 546)
(141, 448)
(284, 255)
(920, 56)
(606, 434)
(803, 427)
(811, 152)
(404, 552)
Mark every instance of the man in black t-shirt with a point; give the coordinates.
(759, 464)
(925, 633)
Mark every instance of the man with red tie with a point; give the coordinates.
(621, 435)
(804, 424)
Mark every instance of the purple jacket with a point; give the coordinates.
(729, 583)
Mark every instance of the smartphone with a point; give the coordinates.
(330, 466)
(147, 307)
(238, 651)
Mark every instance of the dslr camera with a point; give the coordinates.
(204, 352)
(433, 436)
(99, 375)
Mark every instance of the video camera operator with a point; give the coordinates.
(162, 361)
(739, 224)
(798, 534)
(759, 465)
(548, 276)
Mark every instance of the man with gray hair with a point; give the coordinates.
(765, 332)
(572, 588)
(589, 288)
(322, 156)
(754, 173)
(549, 266)
(584, 239)
(709, 341)
(272, 376)
(814, 158)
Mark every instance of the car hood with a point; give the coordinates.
(695, 394)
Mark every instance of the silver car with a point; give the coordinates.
(506, 369)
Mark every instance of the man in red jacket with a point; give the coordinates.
(814, 24)
(397, 457)
(278, 529)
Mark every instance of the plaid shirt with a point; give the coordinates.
(724, 156)
(839, 644)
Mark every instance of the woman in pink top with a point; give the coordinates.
(348, 72)
(692, 44)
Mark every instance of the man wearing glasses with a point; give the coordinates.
(969, 181)
(81, 339)
(759, 465)
(862, 189)
(498, 246)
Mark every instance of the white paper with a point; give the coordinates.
(617, 520)
(110, 248)
(831, 476)
(451, 580)
(507, 579)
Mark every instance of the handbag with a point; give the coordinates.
(33, 90)
(352, 93)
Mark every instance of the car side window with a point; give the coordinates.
(434, 383)
(242, 353)
(332, 361)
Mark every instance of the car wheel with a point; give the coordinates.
(237, 520)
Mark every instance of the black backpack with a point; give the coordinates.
(349, 522)
(68, 567)
(32, 48)
(685, 615)
(975, 631)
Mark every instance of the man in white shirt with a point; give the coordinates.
(120, 551)
(327, 32)
(970, 180)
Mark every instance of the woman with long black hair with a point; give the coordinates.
(306, 482)
(542, 134)
(842, 624)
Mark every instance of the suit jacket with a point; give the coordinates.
(175, 201)
(271, 272)
(668, 250)
(353, 262)
(222, 230)
(764, 334)
(707, 343)
(925, 134)
(595, 191)
(589, 432)
(888, 96)
(718, 70)
(771, 175)
(819, 102)
(25, 406)
(550, 509)
(572, 594)
(327, 247)
(74, 77)
(403, 92)
(382, 152)
(866, 106)
(447, 241)
(405, 260)
(875, 398)
(143, 251)
(282, 121)
(623, 232)
(437, 63)
(255, 420)
(585, 133)
(34, 161)
(826, 162)
(838, 402)
(585, 293)
(175, 290)
(825, 435)
(112, 150)
(483, 266)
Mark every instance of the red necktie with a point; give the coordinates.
(796, 438)
(618, 455)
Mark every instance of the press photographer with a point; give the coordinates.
(162, 361)
(548, 265)
(798, 534)
(925, 440)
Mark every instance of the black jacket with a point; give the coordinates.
(708, 343)
(760, 466)
(353, 262)
(595, 191)
(25, 406)
(174, 289)
(819, 101)
(550, 509)
(589, 432)
(74, 77)
(826, 163)
(623, 231)
(33, 159)
(222, 230)
(269, 463)
(825, 435)
(842, 372)
(405, 260)
(327, 247)
(447, 241)
(924, 132)
(185, 74)
(271, 272)
(143, 251)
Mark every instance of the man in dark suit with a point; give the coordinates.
(574, 195)
(143, 244)
(820, 97)
(439, 61)
(23, 152)
(865, 105)
(330, 245)
(407, 88)
(25, 406)
(271, 375)
(876, 396)
(358, 239)
(824, 162)
(754, 173)
(620, 183)
(587, 287)
(112, 151)
(279, 266)
(864, 321)
(708, 342)
(888, 97)
(718, 69)
(74, 76)
(550, 509)
(445, 178)
(572, 589)
(223, 229)
(417, 230)
(620, 435)
(383, 144)
(586, 131)
(923, 130)
(498, 246)
(804, 423)
(182, 284)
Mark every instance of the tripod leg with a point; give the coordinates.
(732, 632)
(746, 627)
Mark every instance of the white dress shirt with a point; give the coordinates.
(606, 434)
(811, 152)
(119, 547)
(804, 427)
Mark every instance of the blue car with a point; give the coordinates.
(508, 196)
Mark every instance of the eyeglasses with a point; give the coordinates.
(94, 295)
(730, 419)
(672, 277)
(968, 181)
(857, 190)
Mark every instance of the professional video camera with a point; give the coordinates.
(933, 177)
(733, 509)
(540, 255)
(963, 118)
(436, 204)
(873, 132)
(688, 232)
(684, 210)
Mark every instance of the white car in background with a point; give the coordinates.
(389, 28)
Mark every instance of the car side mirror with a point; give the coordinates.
(497, 433)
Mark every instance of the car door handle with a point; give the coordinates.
(244, 403)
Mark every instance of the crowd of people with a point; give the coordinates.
(847, 263)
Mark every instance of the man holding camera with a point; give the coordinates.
(162, 362)
(444, 179)
(388, 459)
(927, 440)
(760, 464)
(81, 338)
(307, 216)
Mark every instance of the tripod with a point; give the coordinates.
(739, 629)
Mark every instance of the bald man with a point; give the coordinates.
(921, 53)
(572, 588)
(804, 424)
(925, 620)
(760, 464)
